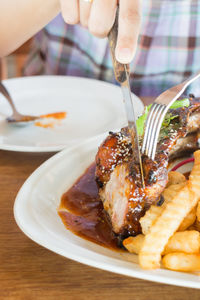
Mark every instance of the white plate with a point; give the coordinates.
(93, 107)
(35, 213)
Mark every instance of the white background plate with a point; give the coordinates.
(35, 213)
(92, 107)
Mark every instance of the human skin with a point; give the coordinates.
(21, 19)
(99, 16)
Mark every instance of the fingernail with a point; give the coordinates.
(124, 55)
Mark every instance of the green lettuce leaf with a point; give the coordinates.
(142, 119)
(140, 122)
(180, 103)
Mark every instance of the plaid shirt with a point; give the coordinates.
(168, 49)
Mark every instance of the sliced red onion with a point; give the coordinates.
(186, 161)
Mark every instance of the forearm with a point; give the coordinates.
(21, 19)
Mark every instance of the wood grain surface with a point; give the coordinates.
(31, 272)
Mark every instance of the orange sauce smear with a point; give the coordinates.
(57, 116)
(48, 125)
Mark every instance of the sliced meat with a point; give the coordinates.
(117, 175)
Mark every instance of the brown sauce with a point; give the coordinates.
(82, 212)
(187, 174)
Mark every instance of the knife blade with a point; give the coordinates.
(122, 76)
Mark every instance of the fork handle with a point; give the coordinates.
(172, 92)
(6, 94)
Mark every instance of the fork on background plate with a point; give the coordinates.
(16, 117)
(157, 113)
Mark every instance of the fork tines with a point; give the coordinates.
(154, 120)
(157, 113)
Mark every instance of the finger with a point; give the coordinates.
(102, 17)
(70, 11)
(85, 7)
(128, 32)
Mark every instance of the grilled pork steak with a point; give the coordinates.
(117, 175)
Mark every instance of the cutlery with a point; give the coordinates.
(122, 76)
(157, 113)
(16, 117)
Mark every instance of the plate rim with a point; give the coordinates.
(118, 269)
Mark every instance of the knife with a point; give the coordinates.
(122, 76)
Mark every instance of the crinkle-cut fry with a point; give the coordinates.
(134, 243)
(182, 262)
(175, 177)
(170, 192)
(183, 241)
(155, 211)
(194, 178)
(188, 220)
(169, 220)
(198, 211)
(149, 218)
(164, 227)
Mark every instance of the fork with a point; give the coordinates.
(157, 113)
(16, 117)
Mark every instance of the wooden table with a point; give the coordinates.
(31, 272)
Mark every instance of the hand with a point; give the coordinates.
(99, 16)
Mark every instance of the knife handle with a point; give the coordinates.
(119, 69)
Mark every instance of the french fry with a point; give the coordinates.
(198, 211)
(134, 243)
(183, 241)
(182, 262)
(170, 192)
(194, 178)
(149, 218)
(188, 220)
(164, 227)
(175, 178)
(155, 211)
(170, 219)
